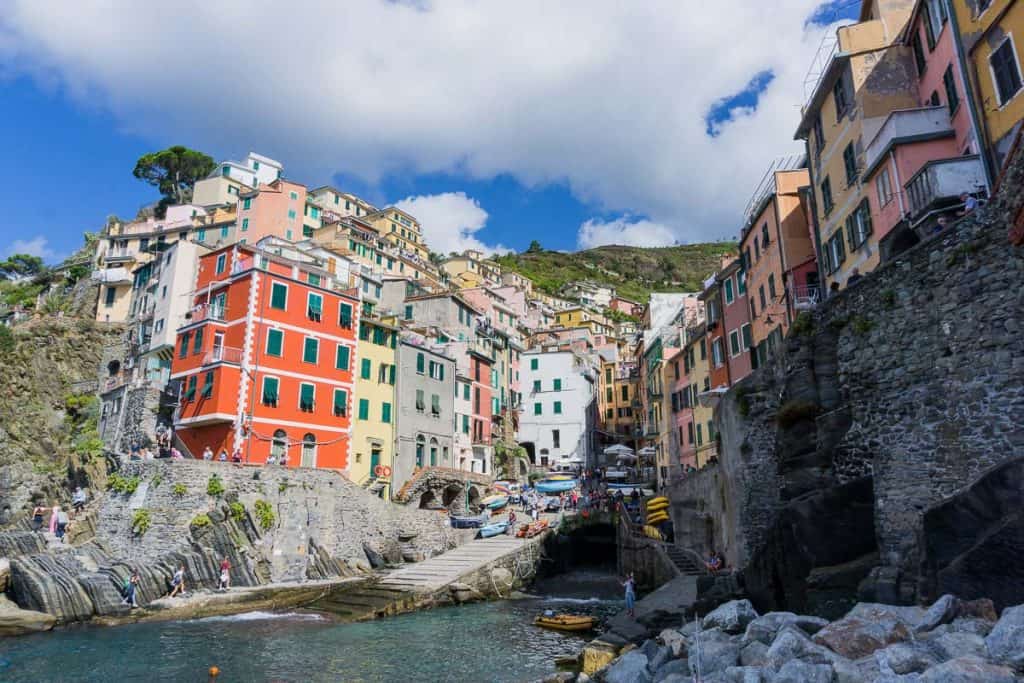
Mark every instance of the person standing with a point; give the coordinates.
(37, 517)
(62, 522)
(54, 514)
(130, 588)
(630, 585)
(207, 454)
(225, 574)
(178, 582)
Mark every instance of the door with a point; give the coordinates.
(308, 451)
(374, 462)
(218, 346)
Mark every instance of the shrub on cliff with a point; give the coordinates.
(141, 521)
(200, 521)
(264, 514)
(215, 487)
(237, 511)
(794, 411)
(179, 489)
(125, 485)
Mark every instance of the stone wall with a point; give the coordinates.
(885, 402)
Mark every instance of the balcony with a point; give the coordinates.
(223, 354)
(206, 312)
(942, 181)
(907, 126)
(112, 276)
(805, 297)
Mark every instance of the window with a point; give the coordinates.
(1005, 70)
(558, 407)
(279, 296)
(385, 412)
(717, 353)
(421, 363)
(952, 98)
(366, 366)
(625, 392)
(771, 287)
(421, 404)
(609, 395)
(435, 405)
(819, 135)
(222, 260)
(835, 251)
(536, 386)
(558, 384)
(826, 196)
(729, 294)
(345, 316)
(184, 344)
(408, 312)
(364, 409)
(201, 235)
(534, 363)
(465, 424)
(765, 241)
(734, 343)
(689, 432)
(465, 392)
(741, 283)
(307, 393)
(757, 250)
(314, 306)
(931, 31)
(293, 195)
(537, 409)
(556, 438)
(841, 93)
(764, 301)
(208, 385)
(858, 225)
(341, 357)
(245, 224)
(224, 233)
(269, 393)
(919, 59)
(850, 163)
(198, 345)
(310, 350)
(934, 99)
(700, 435)
(748, 339)
(884, 184)
(340, 403)
(275, 342)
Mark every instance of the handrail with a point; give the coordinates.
(633, 530)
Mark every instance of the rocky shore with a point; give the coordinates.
(953, 641)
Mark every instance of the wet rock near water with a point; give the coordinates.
(15, 621)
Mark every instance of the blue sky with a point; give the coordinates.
(531, 171)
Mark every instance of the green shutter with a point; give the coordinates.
(270, 385)
(310, 350)
(316, 305)
(537, 409)
(420, 405)
(385, 413)
(345, 315)
(558, 407)
(435, 404)
(366, 367)
(558, 385)
(340, 402)
(536, 386)
(278, 296)
(198, 345)
(341, 359)
(306, 393)
(190, 391)
(275, 342)
(364, 409)
(184, 344)
(465, 391)
(420, 363)
(533, 363)
(208, 385)
(408, 312)
(391, 375)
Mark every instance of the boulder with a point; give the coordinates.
(713, 652)
(942, 611)
(1006, 641)
(754, 653)
(629, 668)
(375, 559)
(906, 658)
(5, 573)
(674, 640)
(502, 577)
(867, 627)
(15, 621)
(677, 667)
(732, 617)
(660, 655)
(797, 671)
(792, 643)
(767, 626)
(745, 674)
(968, 670)
(982, 608)
(957, 644)
(597, 655)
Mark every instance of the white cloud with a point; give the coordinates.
(624, 231)
(37, 246)
(449, 221)
(608, 97)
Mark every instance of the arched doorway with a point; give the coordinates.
(452, 496)
(308, 451)
(433, 452)
(531, 451)
(279, 445)
(427, 501)
(420, 445)
(474, 496)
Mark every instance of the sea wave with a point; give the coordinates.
(267, 616)
(577, 601)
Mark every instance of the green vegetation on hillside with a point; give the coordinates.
(635, 272)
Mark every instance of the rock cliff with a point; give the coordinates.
(872, 456)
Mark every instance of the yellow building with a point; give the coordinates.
(619, 384)
(373, 431)
(341, 203)
(865, 79)
(400, 229)
(699, 375)
(992, 33)
(471, 269)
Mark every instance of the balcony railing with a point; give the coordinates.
(206, 312)
(119, 256)
(805, 297)
(943, 180)
(112, 275)
(907, 125)
(223, 354)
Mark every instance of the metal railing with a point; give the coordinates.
(223, 354)
(805, 297)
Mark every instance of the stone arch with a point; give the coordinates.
(427, 499)
(451, 496)
(113, 367)
(531, 451)
(474, 496)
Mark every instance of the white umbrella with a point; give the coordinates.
(618, 449)
(648, 450)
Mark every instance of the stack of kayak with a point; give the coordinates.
(657, 512)
(531, 530)
(495, 502)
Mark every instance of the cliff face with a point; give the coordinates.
(48, 411)
(854, 461)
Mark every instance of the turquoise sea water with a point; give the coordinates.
(479, 642)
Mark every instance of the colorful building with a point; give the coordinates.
(991, 32)
(867, 74)
(375, 404)
(265, 360)
(399, 229)
(230, 179)
(471, 269)
(278, 208)
(559, 416)
(736, 325)
(426, 399)
(340, 203)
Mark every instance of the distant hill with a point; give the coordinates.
(635, 272)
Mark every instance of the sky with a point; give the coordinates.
(577, 123)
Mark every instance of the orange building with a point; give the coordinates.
(265, 360)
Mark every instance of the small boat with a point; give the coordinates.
(555, 485)
(531, 530)
(469, 521)
(559, 477)
(566, 622)
(488, 530)
(495, 502)
(623, 486)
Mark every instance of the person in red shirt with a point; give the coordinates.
(225, 574)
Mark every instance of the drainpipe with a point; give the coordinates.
(899, 183)
(979, 134)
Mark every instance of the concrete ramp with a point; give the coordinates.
(437, 572)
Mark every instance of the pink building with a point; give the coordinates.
(681, 448)
(736, 321)
(919, 161)
(278, 208)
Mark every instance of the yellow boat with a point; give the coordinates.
(559, 477)
(566, 622)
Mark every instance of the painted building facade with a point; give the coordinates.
(426, 415)
(375, 405)
(559, 408)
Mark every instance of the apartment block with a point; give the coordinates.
(559, 408)
(426, 416)
(376, 406)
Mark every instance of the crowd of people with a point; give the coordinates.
(59, 520)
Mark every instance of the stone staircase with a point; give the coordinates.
(684, 561)
(368, 602)
(376, 486)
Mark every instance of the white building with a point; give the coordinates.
(590, 294)
(231, 177)
(559, 408)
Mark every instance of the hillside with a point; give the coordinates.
(635, 272)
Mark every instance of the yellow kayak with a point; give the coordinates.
(654, 507)
(560, 477)
(657, 518)
(657, 500)
(566, 622)
(651, 532)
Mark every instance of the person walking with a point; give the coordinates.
(54, 514)
(131, 585)
(37, 517)
(78, 499)
(225, 574)
(62, 523)
(178, 582)
(630, 585)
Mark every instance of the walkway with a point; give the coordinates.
(437, 572)
(672, 598)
